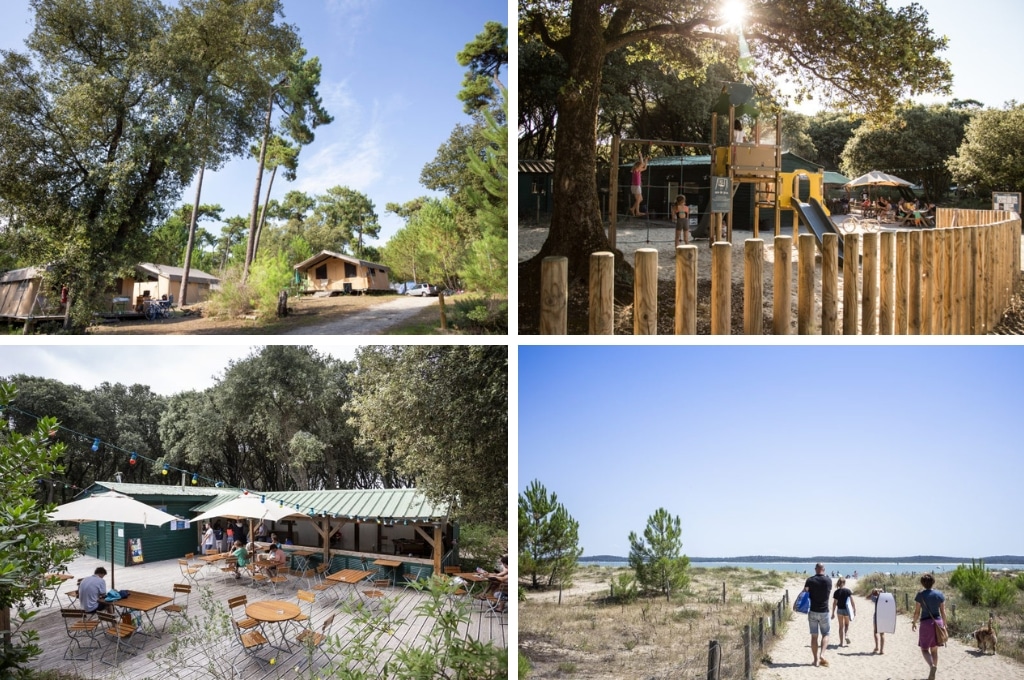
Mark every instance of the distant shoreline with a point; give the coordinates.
(914, 559)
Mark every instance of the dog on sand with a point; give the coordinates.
(986, 637)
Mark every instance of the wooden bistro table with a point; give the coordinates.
(472, 580)
(351, 577)
(274, 611)
(395, 565)
(54, 581)
(300, 558)
(145, 603)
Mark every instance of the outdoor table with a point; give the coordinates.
(274, 611)
(351, 577)
(144, 603)
(54, 581)
(395, 565)
(472, 579)
(300, 558)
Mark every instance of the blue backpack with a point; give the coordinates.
(802, 604)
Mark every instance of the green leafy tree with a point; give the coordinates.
(914, 146)
(796, 136)
(548, 538)
(486, 267)
(656, 557)
(485, 57)
(449, 172)
(291, 84)
(989, 157)
(119, 148)
(167, 245)
(280, 154)
(340, 221)
(27, 548)
(830, 132)
(438, 415)
(838, 47)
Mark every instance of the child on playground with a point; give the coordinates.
(636, 186)
(681, 213)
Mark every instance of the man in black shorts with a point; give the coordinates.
(820, 587)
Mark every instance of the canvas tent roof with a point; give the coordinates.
(174, 273)
(324, 255)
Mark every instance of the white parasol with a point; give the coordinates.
(110, 507)
(251, 506)
(877, 178)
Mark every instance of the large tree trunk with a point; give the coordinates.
(263, 213)
(191, 238)
(250, 250)
(576, 226)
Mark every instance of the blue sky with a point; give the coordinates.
(390, 79)
(780, 450)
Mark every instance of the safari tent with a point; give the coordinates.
(329, 271)
(161, 279)
(21, 294)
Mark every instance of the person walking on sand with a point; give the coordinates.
(819, 587)
(930, 610)
(636, 186)
(842, 601)
(879, 637)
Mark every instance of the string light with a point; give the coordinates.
(95, 445)
(165, 469)
(134, 459)
(195, 479)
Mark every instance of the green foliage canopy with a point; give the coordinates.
(990, 156)
(548, 538)
(656, 557)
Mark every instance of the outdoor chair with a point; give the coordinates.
(415, 573)
(251, 641)
(121, 632)
(188, 571)
(324, 585)
(257, 576)
(279, 579)
(452, 569)
(496, 602)
(243, 620)
(309, 574)
(72, 595)
(308, 597)
(79, 626)
(230, 567)
(176, 607)
(313, 641)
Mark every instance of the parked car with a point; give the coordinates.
(422, 290)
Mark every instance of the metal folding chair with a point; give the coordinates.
(177, 608)
(79, 626)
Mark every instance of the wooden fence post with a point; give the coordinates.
(554, 296)
(714, 660)
(973, 262)
(686, 290)
(721, 288)
(948, 282)
(645, 292)
(723, 592)
(902, 280)
(748, 665)
(805, 284)
(869, 296)
(914, 286)
(851, 282)
(773, 619)
(887, 285)
(760, 634)
(927, 281)
(753, 288)
(602, 293)
(782, 276)
(830, 284)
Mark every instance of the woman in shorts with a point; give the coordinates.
(841, 599)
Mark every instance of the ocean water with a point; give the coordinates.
(843, 568)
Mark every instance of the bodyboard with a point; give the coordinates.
(885, 613)
(849, 606)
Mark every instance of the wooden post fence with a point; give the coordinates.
(958, 278)
(714, 660)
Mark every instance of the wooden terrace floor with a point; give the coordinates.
(404, 628)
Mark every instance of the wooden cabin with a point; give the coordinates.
(160, 279)
(330, 271)
(21, 295)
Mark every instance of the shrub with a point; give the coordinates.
(269, 276)
(624, 589)
(479, 316)
(524, 667)
(978, 586)
(1019, 581)
(233, 297)
(1000, 592)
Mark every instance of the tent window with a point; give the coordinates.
(350, 270)
(321, 272)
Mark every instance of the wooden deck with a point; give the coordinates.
(205, 647)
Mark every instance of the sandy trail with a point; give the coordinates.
(902, 659)
(370, 321)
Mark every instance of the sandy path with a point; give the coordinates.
(902, 659)
(370, 321)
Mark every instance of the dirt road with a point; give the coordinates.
(370, 321)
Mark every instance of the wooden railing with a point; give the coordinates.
(955, 279)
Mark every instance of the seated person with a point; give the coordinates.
(241, 556)
(883, 206)
(500, 578)
(277, 557)
(92, 590)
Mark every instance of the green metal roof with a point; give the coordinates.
(396, 504)
(835, 178)
(162, 489)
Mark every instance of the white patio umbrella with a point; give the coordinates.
(252, 506)
(877, 178)
(110, 507)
